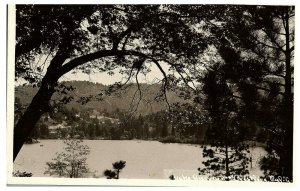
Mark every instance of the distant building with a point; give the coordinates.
(53, 129)
(102, 119)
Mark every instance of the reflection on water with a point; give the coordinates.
(144, 159)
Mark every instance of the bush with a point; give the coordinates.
(114, 174)
(22, 174)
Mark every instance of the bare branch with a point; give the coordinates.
(190, 80)
(120, 37)
(45, 61)
(160, 68)
(125, 41)
(139, 90)
(182, 77)
(165, 82)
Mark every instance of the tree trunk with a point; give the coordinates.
(226, 152)
(288, 108)
(39, 104)
(118, 171)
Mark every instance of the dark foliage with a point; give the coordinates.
(22, 174)
(227, 155)
(114, 174)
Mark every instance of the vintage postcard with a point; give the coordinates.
(148, 95)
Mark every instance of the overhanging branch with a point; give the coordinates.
(96, 55)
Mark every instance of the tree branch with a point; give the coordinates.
(96, 55)
(117, 41)
(165, 82)
(182, 77)
(272, 39)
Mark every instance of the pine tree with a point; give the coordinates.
(115, 174)
(227, 154)
(262, 40)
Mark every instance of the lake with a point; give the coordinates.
(144, 159)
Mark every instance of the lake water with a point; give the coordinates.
(144, 159)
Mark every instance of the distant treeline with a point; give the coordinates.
(165, 126)
(114, 126)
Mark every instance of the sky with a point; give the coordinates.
(152, 77)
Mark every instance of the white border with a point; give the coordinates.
(10, 88)
(137, 182)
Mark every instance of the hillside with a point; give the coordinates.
(119, 100)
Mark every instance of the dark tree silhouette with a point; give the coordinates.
(22, 174)
(259, 62)
(256, 49)
(110, 174)
(227, 155)
(115, 174)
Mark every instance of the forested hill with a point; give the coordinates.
(150, 102)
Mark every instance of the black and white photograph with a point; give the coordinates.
(151, 92)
